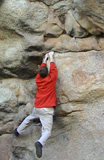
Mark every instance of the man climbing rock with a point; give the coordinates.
(45, 102)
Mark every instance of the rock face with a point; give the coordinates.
(89, 14)
(74, 29)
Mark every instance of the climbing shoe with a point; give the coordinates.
(38, 146)
(16, 133)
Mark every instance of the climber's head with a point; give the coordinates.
(43, 72)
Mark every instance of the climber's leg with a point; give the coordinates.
(46, 118)
(27, 121)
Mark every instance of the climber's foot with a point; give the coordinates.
(15, 132)
(38, 146)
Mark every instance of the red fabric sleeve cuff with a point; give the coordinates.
(52, 63)
(43, 65)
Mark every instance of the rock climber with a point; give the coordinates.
(44, 102)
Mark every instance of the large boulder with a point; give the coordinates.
(28, 30)
(16, 96)
(62, 7)
(72, 27)
(84, 78)
(65, 43)
(90, 15)
(22, 16)
(54, 28)
(19, 55)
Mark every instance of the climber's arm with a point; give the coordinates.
(44, 61)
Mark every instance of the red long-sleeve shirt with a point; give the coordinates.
(46, 91)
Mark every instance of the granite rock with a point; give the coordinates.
(74, 30)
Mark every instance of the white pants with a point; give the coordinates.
(46, 117)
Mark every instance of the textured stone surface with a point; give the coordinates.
(84, 78)
(74, 30)
(15, 61)
(5, 147)
(50, 2)
(62, 7)
(15, 96)
(90, 15)
(54, 28)
(22, 16)
(77, 132)
(67, 43)
(72, 27)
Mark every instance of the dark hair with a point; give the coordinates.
(43, 72)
